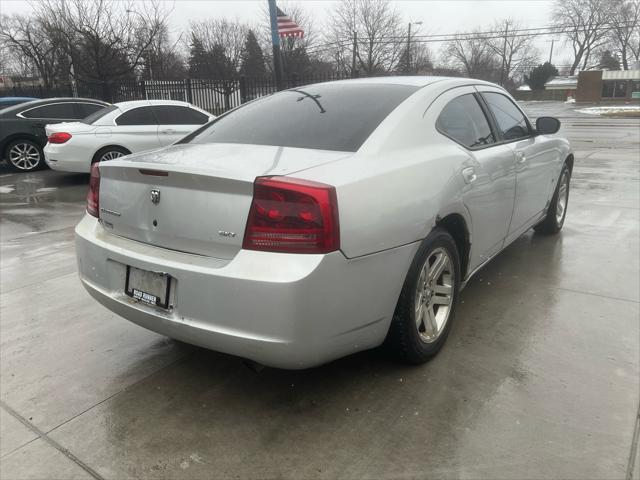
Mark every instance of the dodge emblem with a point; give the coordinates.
(155, 196)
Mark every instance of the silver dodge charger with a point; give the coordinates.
(323, 220)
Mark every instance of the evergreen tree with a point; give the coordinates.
(608, 61)
(296, 61)
(252, 63)
(540, 75)
(209, 64)
(197, 59)
(220, 64)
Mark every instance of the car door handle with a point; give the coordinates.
(167, 131)
(469, 175)
(521, 158)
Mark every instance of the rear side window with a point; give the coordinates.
(55, 110)
(325, 117)
(98, 114)
(86, 109)
(137, 116)
(463, 120)
(511, 122)
(176, 115)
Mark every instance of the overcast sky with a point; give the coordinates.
(438, 17)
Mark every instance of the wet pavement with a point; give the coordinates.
(539, 378)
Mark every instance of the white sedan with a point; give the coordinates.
(352, 221)
(118, 130)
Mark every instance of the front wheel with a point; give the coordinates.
(426, 306)
(557, 211)
(24, 155)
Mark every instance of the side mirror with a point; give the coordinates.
(547, 125)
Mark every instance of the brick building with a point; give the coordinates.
(608, 86)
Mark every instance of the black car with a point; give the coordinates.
(6, 102)
(22, 135)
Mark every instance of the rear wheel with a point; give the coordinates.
(426, 306)
(24, 155)
(557, 211)
(110, 153)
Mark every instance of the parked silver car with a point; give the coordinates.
(323, 220)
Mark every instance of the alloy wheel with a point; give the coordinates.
(110, 155)
(434, 295)
(24, 156)
(563, 197)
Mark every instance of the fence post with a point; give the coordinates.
(227, 89)
(106, 93)
(243, 89)
(187, 83)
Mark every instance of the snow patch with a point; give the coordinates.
(609, 109)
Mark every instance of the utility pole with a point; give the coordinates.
(409, 45)
(504, 54)
(355, 54)
(409, 48)
(551, 52)
(275, 41)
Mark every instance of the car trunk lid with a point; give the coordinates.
(69, 127)
(193, 198)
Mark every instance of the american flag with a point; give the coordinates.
(287, 27)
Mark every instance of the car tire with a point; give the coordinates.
(413, 337)
(24, 155)
(557, 211)
(109, 153)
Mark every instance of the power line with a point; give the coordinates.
(448, 37)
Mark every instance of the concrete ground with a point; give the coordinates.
(539, 378)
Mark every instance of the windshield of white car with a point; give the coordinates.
(95, 116)
(324, 117)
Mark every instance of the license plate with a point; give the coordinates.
(148, 287)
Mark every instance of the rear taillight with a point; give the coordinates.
(293, 216)
(59, 137)
(93, 195)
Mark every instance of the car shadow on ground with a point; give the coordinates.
(360, 396)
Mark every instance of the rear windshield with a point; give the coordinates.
(95, 116)
(325, 117)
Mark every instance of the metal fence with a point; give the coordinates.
(216, 96)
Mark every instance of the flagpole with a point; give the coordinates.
(275, 40)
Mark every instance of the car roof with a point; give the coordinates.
(13, 99)
(414, 81)
(145, 103)
(45, 101)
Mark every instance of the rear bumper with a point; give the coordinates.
(282, 310)
(65, 158)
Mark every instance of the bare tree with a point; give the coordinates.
(415, 59)
(585, 23)
(106, 40)
(471, 53)
(513, 49)
(33, 46)
(625, 30)
(216, 33)
(163, 59)
(380, 33)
